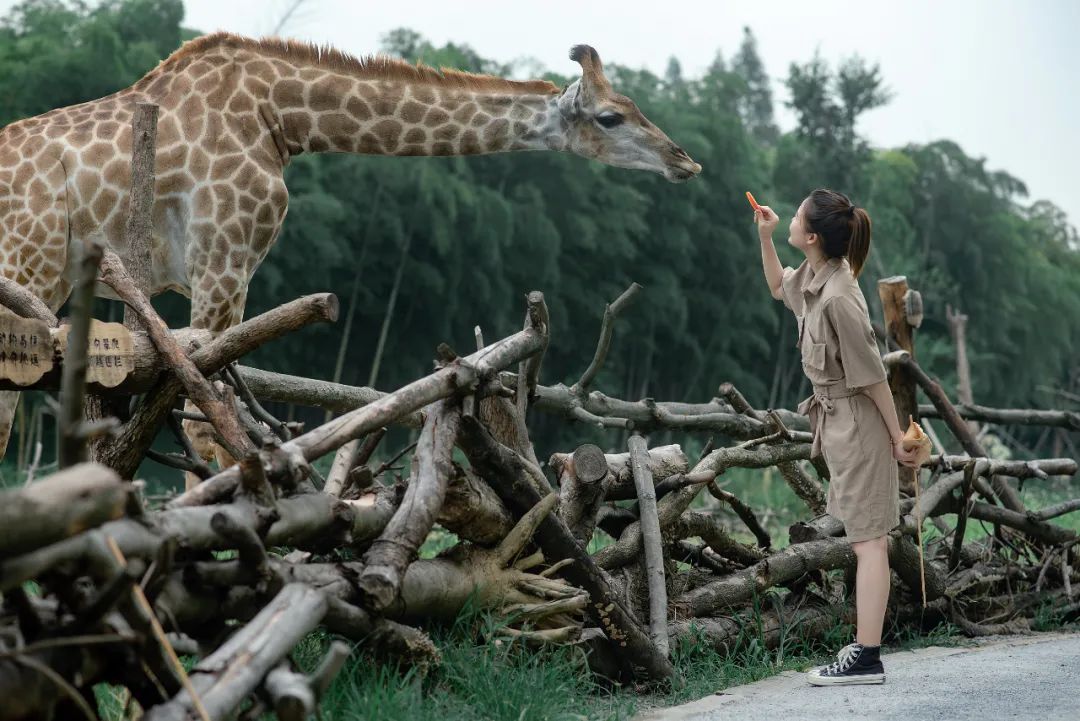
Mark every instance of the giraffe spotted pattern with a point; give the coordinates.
(232, 112)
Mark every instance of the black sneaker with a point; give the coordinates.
(854, 664)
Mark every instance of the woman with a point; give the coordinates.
(851, 410)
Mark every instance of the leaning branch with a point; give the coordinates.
(221, 415)
(125, 453)
(461, 373)
(385, 561)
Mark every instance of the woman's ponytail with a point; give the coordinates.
(844, 229)
(859, 245)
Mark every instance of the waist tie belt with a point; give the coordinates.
(822, 399)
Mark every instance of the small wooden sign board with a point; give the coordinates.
(26, 348)
(111, 355)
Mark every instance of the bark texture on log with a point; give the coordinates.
(138, 221)
(650, 532)
(25, 304)
(1017, 416)
(199, 390)
(226, 677)
(584, 479)
(510, 480)
(125, 453)
(458, 374)
(386, 560)
(67, 503)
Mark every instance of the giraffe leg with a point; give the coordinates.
(34, 258)
(217, 303)
(202, 438)
(222, 259)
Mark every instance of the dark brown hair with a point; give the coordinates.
(843, 228)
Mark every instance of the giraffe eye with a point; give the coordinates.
(609, 120)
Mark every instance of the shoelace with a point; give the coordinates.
(845, 658)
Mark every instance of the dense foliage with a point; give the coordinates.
(476, 234)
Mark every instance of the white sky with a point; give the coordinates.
(996, 76)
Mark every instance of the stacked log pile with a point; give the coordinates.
(99, 585)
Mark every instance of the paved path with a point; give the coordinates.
(1019, 677)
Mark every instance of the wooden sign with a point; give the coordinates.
(26, 348)
(110, 356)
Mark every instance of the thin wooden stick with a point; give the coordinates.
(159, 632)
(922, 563)
(60, 682)
(72, 441)
(607, 327)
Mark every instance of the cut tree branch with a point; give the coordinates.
(650, 533)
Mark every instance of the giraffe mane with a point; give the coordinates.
(377, 67)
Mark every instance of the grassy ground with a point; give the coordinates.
(481, 679)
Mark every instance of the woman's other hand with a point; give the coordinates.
(766, 221)
(905, 456)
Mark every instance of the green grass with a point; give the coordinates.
(499, 680)
(482, 677)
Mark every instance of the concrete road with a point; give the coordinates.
(1017, 677)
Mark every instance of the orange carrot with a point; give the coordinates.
(753, 203)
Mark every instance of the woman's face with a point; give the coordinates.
(799, 237)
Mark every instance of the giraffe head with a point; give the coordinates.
(606, 126)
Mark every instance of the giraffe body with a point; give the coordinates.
(231, 113)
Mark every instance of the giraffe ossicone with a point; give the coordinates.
(232, 112)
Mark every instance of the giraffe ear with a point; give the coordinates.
(570, 101)
(593, 82)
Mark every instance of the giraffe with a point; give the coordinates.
(232, 112)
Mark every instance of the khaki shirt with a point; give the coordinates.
(835, 335)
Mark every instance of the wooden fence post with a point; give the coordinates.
(896, 301)
(957, 326)
(138, 225)
(134, 246)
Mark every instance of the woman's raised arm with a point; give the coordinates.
(767, 221)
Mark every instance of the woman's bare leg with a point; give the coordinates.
(871, 589)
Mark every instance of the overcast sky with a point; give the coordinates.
(999, 77)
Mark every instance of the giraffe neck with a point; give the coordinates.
(332, 112)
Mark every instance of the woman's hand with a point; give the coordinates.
(905, 456)
(766, 221)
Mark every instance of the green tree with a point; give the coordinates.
(756, 103)
(825, 149)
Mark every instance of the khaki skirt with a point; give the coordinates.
(864, 485)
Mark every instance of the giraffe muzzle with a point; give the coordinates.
(683, 171)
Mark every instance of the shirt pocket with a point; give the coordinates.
(813, 353)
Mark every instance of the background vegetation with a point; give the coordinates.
(476, 234)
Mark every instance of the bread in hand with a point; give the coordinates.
(915, 439)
